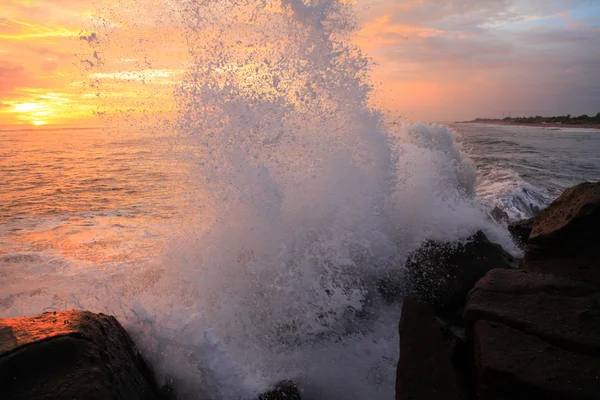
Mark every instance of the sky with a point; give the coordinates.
(434, 60)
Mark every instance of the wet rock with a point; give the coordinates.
(565, 236)
(520, 231)
(284, 390)
(499, 215)
(441, 274)
(534, 336)
(558, 310)
(511, 364)
(572, 213)
(432, 358)
(71, 355)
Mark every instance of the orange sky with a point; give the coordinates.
(53, 67)
(37, 61)
(435, 59)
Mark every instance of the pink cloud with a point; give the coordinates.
(11, 76)
(49, 65)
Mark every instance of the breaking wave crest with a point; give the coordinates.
(504, 191)
(304, 200)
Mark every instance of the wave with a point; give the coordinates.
(504, 190)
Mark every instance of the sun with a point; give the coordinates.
(45, 108)
(36, 113)
(33, 113)
(26, 108)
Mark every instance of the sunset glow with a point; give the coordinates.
(63, 61)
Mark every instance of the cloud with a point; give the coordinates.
(47, 51)
(529, 55)
(443, 58)
(49, 65)
(11, 76)
(15, 29)
(52, 12)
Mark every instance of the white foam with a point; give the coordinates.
(505, 190)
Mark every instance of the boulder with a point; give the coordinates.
(565, 236)
(432, 358)
(534, 336)
(71, 355)
(520, 231)
(572, 213)
(284, 390)
(442, 274)
(511, 364)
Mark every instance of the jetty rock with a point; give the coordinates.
(71, 355)
(441, 274)
(565, 237)
(534, 336)
(520, 231)
(432, 363)
(529, 333)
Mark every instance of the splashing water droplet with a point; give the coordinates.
(303, 200)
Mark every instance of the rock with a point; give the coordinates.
(499, 215)
(534, 336)
(510, 364)
(558, 310)
(572, 213)
(71, 355)
(284, 390)
(520, 231)
(432, 358)
(442, 274)
(565, 236)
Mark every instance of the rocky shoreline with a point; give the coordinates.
(475, 324)
(531, 332)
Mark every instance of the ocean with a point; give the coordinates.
(242, 241)
(109, 221)
(522, 169)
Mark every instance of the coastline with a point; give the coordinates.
(535, 125)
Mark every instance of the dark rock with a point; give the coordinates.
(560, 311)
(442, 274)
(510, 364)
(284, 390)
(71, 355)
(565, 236)
(569, 215)
(520, 231)
(432, 358)
(499, 215)
(534, 336)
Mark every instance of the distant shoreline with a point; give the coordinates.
(536, 125)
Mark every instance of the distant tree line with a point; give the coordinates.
(562, 119)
